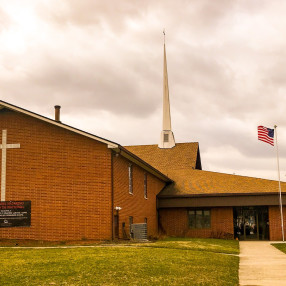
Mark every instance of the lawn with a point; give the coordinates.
(210, 245)
(168, 262)
(280, 246)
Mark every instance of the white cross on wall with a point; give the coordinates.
(4, 146)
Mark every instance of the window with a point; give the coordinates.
(145, 186)
(166, 137)
(130, 176)
(199, 218)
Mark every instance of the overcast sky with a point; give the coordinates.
(102, 61)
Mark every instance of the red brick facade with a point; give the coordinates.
(135, 205)
(174, 222)
(68, 179)
(275, 231)
(75, 183)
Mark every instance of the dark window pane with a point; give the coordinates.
(199, 219)
(207, 222)
(192, 219)
(207, 219)
(166, 137)
(207, 212)
(145, 186)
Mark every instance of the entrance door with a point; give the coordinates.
(116, 226)
(251, 223)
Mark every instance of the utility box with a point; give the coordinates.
(139, 231)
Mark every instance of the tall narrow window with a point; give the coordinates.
(145, 185)
(130, 175)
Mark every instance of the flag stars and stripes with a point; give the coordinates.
(266, 135)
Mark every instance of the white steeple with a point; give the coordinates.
(167, 139)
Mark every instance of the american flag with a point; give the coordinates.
(266, 135)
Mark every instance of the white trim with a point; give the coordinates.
(15, 108)
(4, 146)
(111, 145)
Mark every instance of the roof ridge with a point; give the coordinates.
(54, 122)
(180, 143)
(234, 175)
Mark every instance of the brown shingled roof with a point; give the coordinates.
(182, 164)
(182, 156)
(190, 182)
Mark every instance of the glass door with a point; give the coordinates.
(251, 223)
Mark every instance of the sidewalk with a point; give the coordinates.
(261, 264)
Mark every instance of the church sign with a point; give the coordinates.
(15, 213)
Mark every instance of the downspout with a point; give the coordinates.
(112, 197)
(157, 215)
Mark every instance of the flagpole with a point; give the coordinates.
(280, 196)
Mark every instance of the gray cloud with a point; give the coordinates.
(104, 60)
(89, 13)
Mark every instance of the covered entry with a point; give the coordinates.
(251, 223)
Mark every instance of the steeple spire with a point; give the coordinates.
(167, 139)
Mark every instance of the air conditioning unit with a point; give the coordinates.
(139, 231)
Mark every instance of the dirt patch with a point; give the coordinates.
(38, 243)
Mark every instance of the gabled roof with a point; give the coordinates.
(10, 106)
(182, 156)
(197, 182)
(110, 144)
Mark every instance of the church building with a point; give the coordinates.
(59, 183)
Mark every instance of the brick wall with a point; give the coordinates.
(135, 204)
(66, 176)
(275, 231)
(174, 222)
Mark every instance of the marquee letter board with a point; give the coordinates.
(15, 213)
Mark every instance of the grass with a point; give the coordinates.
(168, 262)
(199, 244)
(280, 246)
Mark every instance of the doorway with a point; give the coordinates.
(116, 226)
(251, 223)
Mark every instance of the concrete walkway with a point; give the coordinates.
(261, 264)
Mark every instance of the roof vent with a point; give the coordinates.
(57, 113)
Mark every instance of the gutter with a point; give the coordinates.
(217, 195)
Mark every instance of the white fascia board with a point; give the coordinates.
(59, 124)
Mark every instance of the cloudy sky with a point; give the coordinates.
(102, 61)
